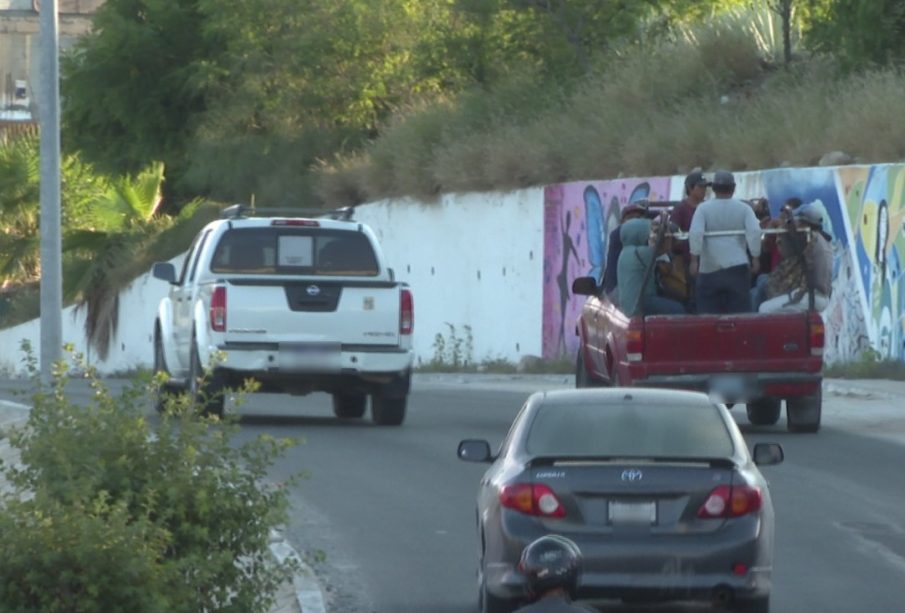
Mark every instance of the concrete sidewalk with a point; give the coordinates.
(291, 595)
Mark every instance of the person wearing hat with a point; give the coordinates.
(806, 261)
(695, 193)
(724, 264)
(634, 210)
(681, 215)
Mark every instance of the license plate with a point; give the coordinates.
(632, 512)
(311, 357)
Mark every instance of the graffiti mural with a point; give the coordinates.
(578, 219)
(864, 212)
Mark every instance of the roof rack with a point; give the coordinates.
(238, 211)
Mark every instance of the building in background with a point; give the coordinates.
(20, 46)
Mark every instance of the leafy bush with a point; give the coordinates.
(108, 513)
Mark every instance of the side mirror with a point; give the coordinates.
(585, 286)
(164, 271)
(768, 454)
(475, 451)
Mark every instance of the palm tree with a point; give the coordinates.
(123, 220)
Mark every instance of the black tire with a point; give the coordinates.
(582, 378)
(764, 411)
(803, 413)
(349, 406)
(388, 411)
(166, 390)
(752, 605)
(208, 397)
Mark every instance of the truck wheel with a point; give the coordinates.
(582, 377)
(764, 411)
(349, 406)
(388, 411)
(803, 413)
(167, 390)
(209, 394)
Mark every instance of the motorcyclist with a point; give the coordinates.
(552, 565)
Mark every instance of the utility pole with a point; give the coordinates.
(51, 234)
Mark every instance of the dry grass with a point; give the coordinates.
(709, 99)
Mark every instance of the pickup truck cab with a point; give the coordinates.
(299, 304)
(757, 359)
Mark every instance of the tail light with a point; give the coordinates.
(406, 312)
(218, 309)
(310, 223)
(731, 501)
(532, 499)
(634, 344)
(816, 335)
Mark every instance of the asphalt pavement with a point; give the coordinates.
(308, 594)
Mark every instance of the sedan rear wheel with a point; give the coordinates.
(764, 411)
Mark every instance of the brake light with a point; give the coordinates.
(816, 334)
(532, 499)
(310, 223)
(731, 501)
(218, 309)
(406, 312)
(634, 344)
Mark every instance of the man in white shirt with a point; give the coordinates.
(724, 264)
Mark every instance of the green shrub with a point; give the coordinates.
(188, 505)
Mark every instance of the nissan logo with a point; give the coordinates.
(313, 290)
(632, 474)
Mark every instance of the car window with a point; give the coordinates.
(295, 251)
(197, 255)
(628, 429)
(188, 258)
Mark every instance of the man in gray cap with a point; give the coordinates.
(724, 264)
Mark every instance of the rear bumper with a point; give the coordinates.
(691, 567)
(740, 387)
(362, 369)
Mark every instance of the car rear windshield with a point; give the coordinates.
(629, 429)
(294, 251)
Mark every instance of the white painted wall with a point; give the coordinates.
(471, 259)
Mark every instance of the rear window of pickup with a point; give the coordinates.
(294, 251)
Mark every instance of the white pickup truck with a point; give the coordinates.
(299, 304)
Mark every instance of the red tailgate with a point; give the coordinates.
(726, 343)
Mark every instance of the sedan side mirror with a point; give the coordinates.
(164, 271)
(475, 451)
(585, 286)
(768, 454)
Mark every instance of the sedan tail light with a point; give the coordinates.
(731, 501)
(532, 499)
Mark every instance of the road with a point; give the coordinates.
(392, 509)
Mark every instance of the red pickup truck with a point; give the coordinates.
(757, 359)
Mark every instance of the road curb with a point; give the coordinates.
(852, 391)
(308, 593)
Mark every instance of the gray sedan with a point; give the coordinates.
(656, 487)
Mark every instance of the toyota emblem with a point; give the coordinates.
(313, 290)
(632, 474)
